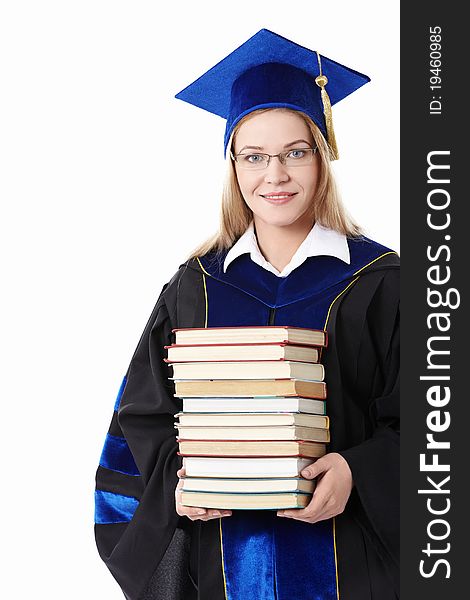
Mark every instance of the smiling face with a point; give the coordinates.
(272, 132)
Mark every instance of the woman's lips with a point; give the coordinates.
(278, 197)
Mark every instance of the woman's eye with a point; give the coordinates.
(253, 158)
(296, 154)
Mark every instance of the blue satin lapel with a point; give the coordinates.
(305, 560)
(248, 550)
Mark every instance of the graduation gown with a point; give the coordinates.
(152, 552)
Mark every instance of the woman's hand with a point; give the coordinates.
(194, 513)
(334, 485)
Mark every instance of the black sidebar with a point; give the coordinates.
(435, 254)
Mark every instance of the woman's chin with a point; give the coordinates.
(277, 220)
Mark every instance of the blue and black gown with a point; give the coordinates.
(153, 553)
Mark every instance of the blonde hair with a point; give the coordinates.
(327, 208)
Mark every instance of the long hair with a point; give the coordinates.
(327, 208)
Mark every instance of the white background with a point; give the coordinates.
(95, 218)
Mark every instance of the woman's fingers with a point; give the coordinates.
(204, 514)
(334, 485)
(193, 512)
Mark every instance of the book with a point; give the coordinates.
(263, 369)
(251, 448)
(251, 419)
(282, 432)
(241, 485)
(197, 466)
(246, 501)
(252, 334)
(254, 404)
(242, 388)
(237, 352)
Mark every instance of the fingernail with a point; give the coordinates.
(216, 513)
(305, 472)
(201, 512)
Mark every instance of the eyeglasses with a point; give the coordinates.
(297, 157)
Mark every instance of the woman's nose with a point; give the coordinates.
(275, 172)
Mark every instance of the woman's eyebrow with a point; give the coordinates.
(286, 146)
(296, 142)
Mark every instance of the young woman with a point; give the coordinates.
(286, 254)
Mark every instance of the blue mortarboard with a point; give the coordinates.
(270, 71)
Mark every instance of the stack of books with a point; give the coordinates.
(253, 414)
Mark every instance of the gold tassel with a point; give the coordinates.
(321, 81)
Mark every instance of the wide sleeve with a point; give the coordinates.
(135, 515)
(374, 462)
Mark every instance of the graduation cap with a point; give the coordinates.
(270, 71)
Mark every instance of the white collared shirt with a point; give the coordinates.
(319, 242)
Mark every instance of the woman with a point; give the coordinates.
(286, 254)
